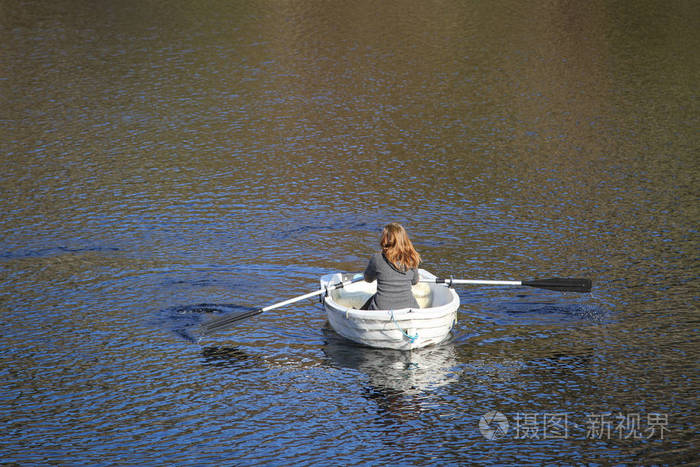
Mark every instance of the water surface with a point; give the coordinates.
(157, 157)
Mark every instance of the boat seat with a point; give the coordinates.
(423, 294)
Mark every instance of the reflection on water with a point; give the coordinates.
(229, 357)
(393, 372)
(397, 383)
(155, 156)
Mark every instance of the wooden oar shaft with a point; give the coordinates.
(296, 299)
(556, 283)
(472, 282)
(338, 285)
(223, 322)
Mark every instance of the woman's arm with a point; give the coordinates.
(371, 270)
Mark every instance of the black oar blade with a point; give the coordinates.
(223, 322)
(561, 284)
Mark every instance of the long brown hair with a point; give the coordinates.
(397, 247)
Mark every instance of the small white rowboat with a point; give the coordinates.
(403, 329)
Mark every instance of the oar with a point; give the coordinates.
(557, 283)
(224, 322)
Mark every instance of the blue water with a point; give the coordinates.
(164, 164)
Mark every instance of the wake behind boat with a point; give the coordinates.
(403, 329)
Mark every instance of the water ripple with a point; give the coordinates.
(162, 169)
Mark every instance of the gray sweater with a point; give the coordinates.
(393, 285)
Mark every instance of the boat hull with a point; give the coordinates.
(402, 329)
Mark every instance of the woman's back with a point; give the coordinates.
(393, 285)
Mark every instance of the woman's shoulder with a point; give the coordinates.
(377, 256)
(376, 259)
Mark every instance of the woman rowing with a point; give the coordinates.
(395, 269)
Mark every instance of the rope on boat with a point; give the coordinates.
(410, 338)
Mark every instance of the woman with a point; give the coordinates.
(396, 269)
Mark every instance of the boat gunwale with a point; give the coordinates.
(402, 314)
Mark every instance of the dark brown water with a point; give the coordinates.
(155, 156)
